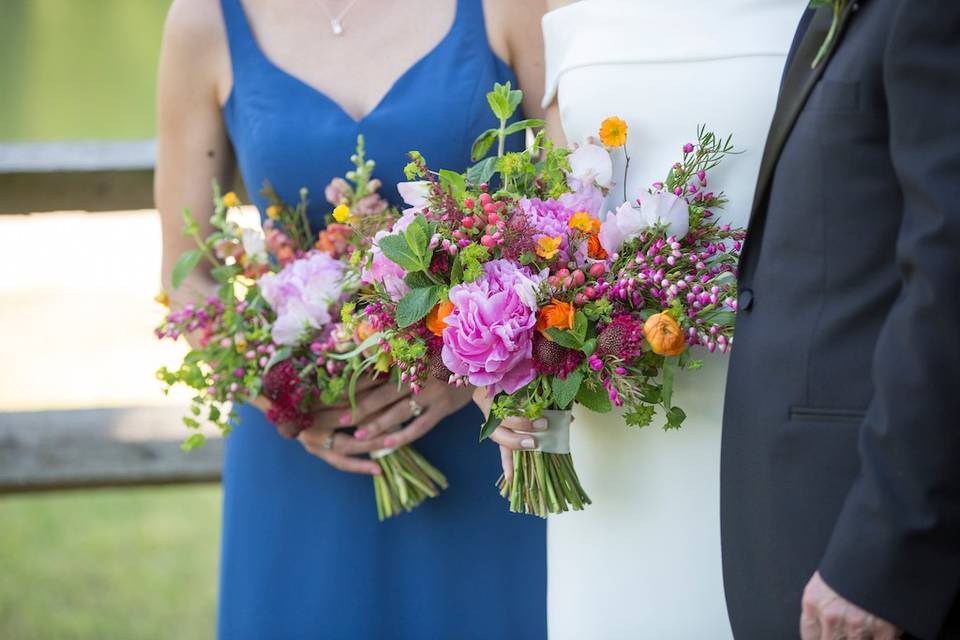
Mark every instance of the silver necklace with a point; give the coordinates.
(336, 21)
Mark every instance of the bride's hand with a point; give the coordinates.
(506, 435)
(435, 402)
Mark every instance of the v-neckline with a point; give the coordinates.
(323, 94)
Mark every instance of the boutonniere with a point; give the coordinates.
(839, 7)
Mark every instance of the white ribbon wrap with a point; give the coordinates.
(556, 439)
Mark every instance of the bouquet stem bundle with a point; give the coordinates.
(407, 479)
(543, 483)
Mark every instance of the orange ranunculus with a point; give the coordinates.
(364, 330)
(555, 315)
(581, 221)
(548, 247)
(437, 318)
(595, 250)
(613, 132)
(664, 335)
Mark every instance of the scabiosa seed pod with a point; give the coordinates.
(622, 338)
(549, 358)
(437, 369)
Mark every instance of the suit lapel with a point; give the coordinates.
(799, 81)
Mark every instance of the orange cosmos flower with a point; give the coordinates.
(548, 247)
(664, 335)
(437, 318)
(613, 132)
(555, 315)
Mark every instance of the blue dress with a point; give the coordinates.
(303, 554)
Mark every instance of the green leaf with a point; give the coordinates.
(456, 271)
(666, 392)
(418, 280)
(455, 183)
(589, 347)
(278, 356)
(675, 418)
(397, 249)
(186, 263)
(490, 425)
(195, 441)
(520, 125)
(564, 391)
(481, 146)
(595, 398)
(565, 338)
(418, 237)
(514, 98)
(499, 102)
(482, 171)
(640, 416)
(416, 305)
(580, 326)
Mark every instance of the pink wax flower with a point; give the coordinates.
(302, 294)
(489, 334)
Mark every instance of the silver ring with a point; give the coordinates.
(328, 443)
(415, 408)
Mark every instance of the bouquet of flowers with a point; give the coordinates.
(521, 290)
(281, 322)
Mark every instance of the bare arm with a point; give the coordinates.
(515, 36)
(552, 116)
(193, 149)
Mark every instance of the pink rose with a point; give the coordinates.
(489, 333)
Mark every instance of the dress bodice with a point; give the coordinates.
(666, 67)
(292, 135)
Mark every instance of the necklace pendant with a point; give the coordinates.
(336, 26)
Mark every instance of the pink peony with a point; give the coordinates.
(302, 294)
(489, 334)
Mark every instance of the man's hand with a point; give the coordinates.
(827, 616)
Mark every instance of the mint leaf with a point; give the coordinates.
(565, 338)
(416, 305)
(481, 146)
(482, 171)
(418, 280)
(595, 398)
(397, 249)
(520, 125)
(186, 263)
(564, 391)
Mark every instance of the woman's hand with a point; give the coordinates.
(435, 402)
(336, 449)
(509, 435)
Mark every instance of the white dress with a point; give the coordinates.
(644, 560)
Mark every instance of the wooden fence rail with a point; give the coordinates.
(72, 449)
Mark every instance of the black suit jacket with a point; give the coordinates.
(841, 440)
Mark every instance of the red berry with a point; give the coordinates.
(488, 241)
(492, 217)
(579, 300)
(468, 222)
(590, 293)
(578, 277)
(598, 269)
(483, 187)
(468, 203)
(485, 199)
(563, 273)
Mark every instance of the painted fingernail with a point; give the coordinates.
(345, 419)
(540, 424)
(389, 442)
(360, 434)
(528, 443)
(376, 470)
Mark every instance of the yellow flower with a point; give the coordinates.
(613, 132)
(273, 211)
(162, 298)
(581, 221)
(548, 247)
(341, 213)
(230, 199)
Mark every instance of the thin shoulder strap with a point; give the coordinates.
(240, 38)
(471, 26)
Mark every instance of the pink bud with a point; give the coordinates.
(598, 269)
(488, 242)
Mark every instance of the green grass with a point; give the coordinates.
(133, 563)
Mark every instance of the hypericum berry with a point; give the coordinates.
(578, 277)
(468, 222)
(598, 269)
(484, 187)
(485, 199)
(468, 203)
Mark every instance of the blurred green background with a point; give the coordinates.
(78, 68)
(132, 563)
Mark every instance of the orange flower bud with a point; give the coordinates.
(436, 319)
(664, 335)
(556, 315)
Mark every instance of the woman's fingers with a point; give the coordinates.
(375, 401)
(512, 440)
(386, 420)
(416, 429)
(506, 461)
(337, 451)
